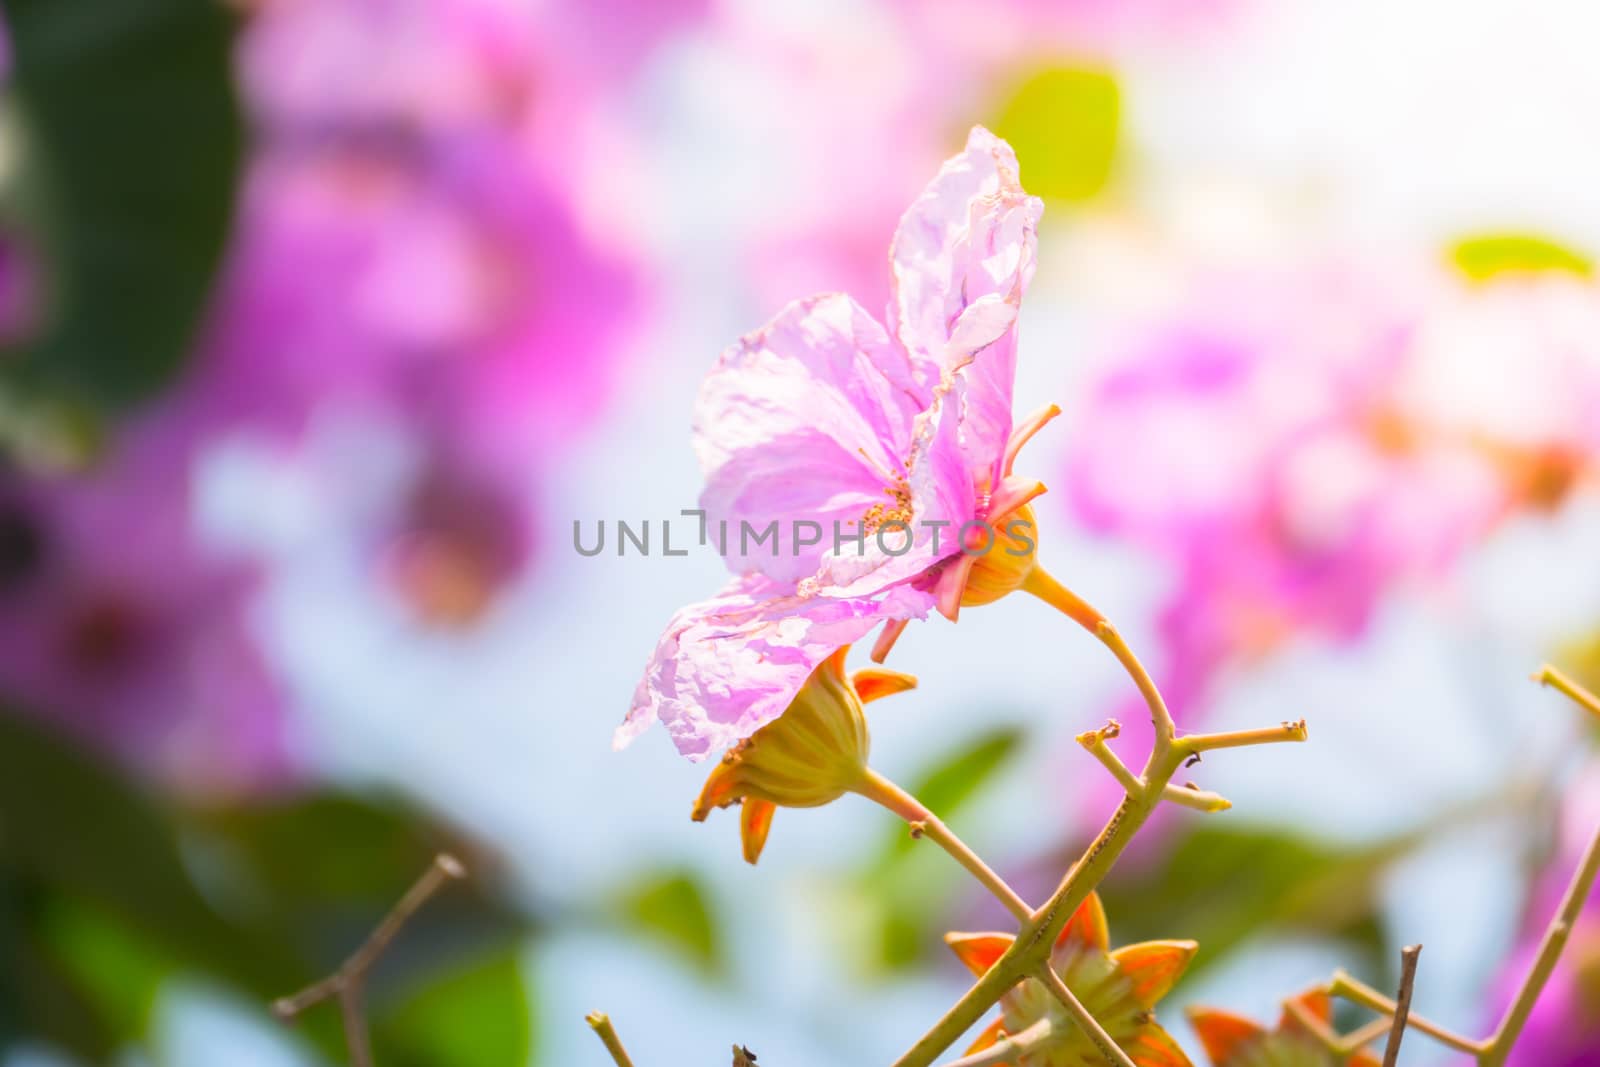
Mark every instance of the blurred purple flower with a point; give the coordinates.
(1254, 443)
(119, 628)
(415, 238)
(824, 416)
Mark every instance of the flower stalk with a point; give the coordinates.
(1496, 1049)
(1029, 953)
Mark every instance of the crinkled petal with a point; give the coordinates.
(809, 419)
(728, 666)
(961, 259)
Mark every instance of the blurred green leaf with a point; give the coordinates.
(67, 821)
(117, 970)
(37, 999)
(99, 899)
(1223, 884)
(909, 885)
(956, 778)
(1488, 256)
(1064, 123)
(130, 147)
(674, 909)
(477, 1016)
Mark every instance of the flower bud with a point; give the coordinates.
(811, 755)
(1008, 556)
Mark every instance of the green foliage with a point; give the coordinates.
(1223, 884)
(672, 907)
(131, 141)
(908, 886)
(475, 1016)
(1065, 124)
(105, 892)
(1489, 256)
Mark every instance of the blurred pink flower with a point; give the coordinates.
(825, 417)
(1564, 1029)
(1253, 443)
(415, 238)
(118, 627)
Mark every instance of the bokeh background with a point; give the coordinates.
(327, 320)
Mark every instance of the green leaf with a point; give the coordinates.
(70, 823)
(1222, 885)
(130, 146)
(1489, 256)
(674, 909)
(117, 969)
(477, 1016)
(1064, 123)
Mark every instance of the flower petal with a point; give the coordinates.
(1153, 967)
(807, 420)
(1088, 925)
(1223, 1033)
(1154, 1047)
(979, 951)
(755, 822)
(990, 1036)
(943, 497)
(1316, 1001)
(961, 258)
(726, 667)
(874, 683)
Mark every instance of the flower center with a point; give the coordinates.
(898, 511)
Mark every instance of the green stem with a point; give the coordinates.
(601, 1024)
(1083, 1017)
(1498, 1047)
(1031, 950)
(1007, 1049)
(925, 823)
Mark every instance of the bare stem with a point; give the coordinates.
(1008, 1049)
(601, 1024)
(1042, 585)
(1498, 1047)
(1030, 951)
(1402, 1012)
(1548, 675)
(1083, 1017)
(925, 823)
(348, 983)
(1286, 731)
(1346, 986)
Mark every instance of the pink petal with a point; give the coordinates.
(943, 498)
(808, 419)
(730, 665)
(961, 259)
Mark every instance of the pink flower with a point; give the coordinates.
(118, 627)
(414, 244)
(900, 434)
(1255, 443)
